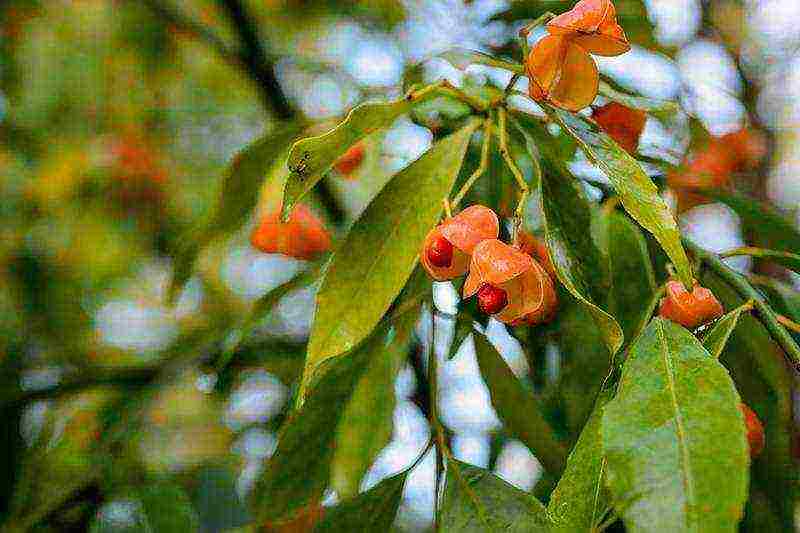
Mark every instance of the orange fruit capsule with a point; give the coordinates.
(748, 147)
(536, 248)
(447, 247)
(689, 309)
(623, 124)
(755, 430)
(505, 268)
(562, 73)
(710, 168)
(350, 160)
(592, 25)
(303, 237)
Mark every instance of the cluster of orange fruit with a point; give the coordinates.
(509, 282)
(560, 67)
(304, 235)
(712, 166)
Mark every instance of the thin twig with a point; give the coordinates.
(482, 166)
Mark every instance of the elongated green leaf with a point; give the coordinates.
(374, 510)
(717, 337)
(578, 262)
(756, 363)
(477, 501)
(366, 424)
(638, 193)
(661, 109)
(461, 58)
(238, 196)
(633, 281)
(785, 259)
(672, 466)
(517, 408)
(373, 264)
(771, 229)
(299, 471)
(311, 158)
(579, 501)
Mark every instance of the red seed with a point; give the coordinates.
(491, 299)
(440, 252)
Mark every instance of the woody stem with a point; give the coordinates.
(482, 166)
(520, 179)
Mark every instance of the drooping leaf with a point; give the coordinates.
(159, 507)
(578, 262)
(309, 159)
(770, 228)
(373, 510)
(379, 254)
(633, 281)
(464, 327)
(717, 337)
(785, 259)
(661, 109)
(517, 408)
(756, 363)
(477, 501)
(299, 471)
(672, 466)
(637, 192)
(236, 199)
(461, 58)
(366, 423)
(579, 501)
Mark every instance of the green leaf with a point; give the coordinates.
(461, 58)
(661, 109)
(465, 325)
(579, 501)
(717, 337)
(633, 281)
(237, 197)
(299, 471)
(785, 259)
(638, 193)
(162, 507)
(517, 408)
(366, 423)
(477, 501)
(311, 158)
(373, 264)
(770, 228)
(757, 365)
(578, 262)
(674, 437)
(309, 444)
(371, 511)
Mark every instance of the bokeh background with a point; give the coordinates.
(117, 120)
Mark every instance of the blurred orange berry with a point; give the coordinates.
(592, 25)
(747, 146)
(447, 247)
(623, 124)
(689, 309)
(755, 430)
(498, 269)
(350, 160)
(303, 237)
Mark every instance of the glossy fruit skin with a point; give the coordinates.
(440, 252)
(689, 309)
(491, 299)
(303, 237)
(755, 431)
(350, 160)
